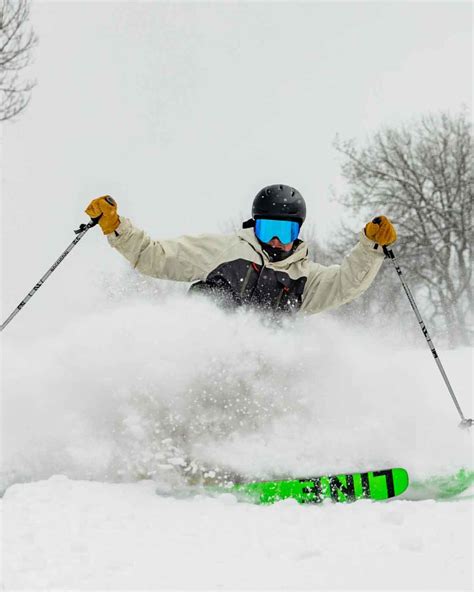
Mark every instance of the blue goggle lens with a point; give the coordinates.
(286, 231)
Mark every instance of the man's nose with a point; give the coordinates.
(275, 242)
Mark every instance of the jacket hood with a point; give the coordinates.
(299, 254)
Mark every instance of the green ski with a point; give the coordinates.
(442, 487)
(374, 485)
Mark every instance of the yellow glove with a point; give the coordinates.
(105, 209)
(381, 230)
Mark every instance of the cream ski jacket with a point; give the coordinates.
(295, 283)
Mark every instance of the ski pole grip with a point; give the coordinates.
(389, 254)
(83, 227)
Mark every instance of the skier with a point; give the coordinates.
(264, 265)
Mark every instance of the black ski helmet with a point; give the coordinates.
(279, 201)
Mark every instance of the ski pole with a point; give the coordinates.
(80, 232)
(389, 254)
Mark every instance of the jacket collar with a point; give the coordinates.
(300, 253)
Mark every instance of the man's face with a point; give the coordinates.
(277, 233)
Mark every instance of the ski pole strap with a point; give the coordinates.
(389, 254)
(80, 232)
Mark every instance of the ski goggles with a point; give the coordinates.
(286, 231)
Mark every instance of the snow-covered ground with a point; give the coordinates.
(95, 417)
(63, 534)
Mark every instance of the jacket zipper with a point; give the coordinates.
(258, 278)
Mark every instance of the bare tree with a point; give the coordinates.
(17, 40)
(421, 176)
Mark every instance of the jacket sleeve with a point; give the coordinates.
(329, 287)
(186, 259)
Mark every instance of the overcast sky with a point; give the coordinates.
(183, 111)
